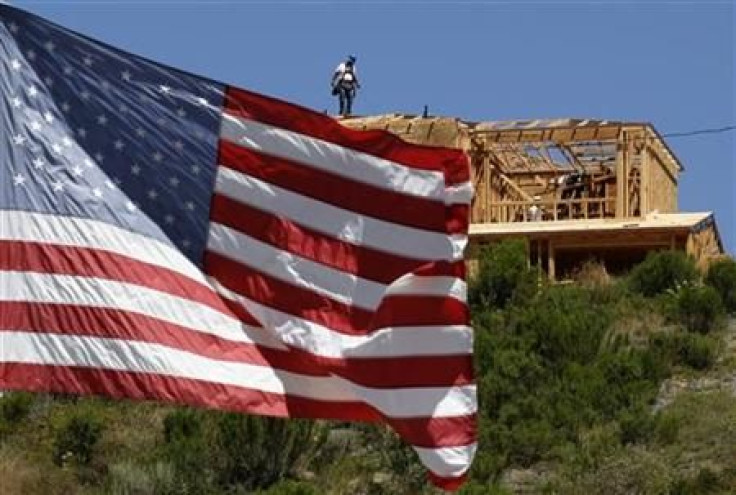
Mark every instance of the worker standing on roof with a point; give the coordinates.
(345, 85)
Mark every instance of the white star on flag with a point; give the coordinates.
(18, 180)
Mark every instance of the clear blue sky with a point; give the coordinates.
(667, 62)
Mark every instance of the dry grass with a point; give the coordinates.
(592, 274)
(18, 475)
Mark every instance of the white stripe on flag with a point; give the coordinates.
(448, 462)
(442, 340)
(341, 224)
(85, 233)
(302, 272)
(102, 293)
(141, 357)
(322, 155)
(420, 285)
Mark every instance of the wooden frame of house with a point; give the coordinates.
(573, 189)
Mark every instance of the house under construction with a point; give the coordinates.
(574, 189)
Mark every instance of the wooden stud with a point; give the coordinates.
(551, 260)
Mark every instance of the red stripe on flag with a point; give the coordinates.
(447, 484)
(429, 432)
(438, 432)
(286, 235)
(457, 219)
(133, 385)
(453, 163)
(57, 259)
(420, 371)
(304, 303)
(339, 191)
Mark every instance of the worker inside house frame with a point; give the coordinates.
(345, 85)
(534, 213)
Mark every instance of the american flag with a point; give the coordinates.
(165, 236)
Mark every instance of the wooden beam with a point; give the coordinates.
(644, 187)
(622, 177)
(551, 260)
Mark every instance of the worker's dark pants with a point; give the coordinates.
(346, 96)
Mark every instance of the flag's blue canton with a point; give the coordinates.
(90, 131)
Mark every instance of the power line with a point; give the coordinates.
(698, 132)
(452, 3)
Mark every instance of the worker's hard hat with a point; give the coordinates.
(351, 59)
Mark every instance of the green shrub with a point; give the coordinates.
(667, 428)
(475, 488)
(563, 324)
(697, 351)
(722, 277)
(15, 406)
(699, 309)
(126, 477)
(637, 426)
(182, 424)
(705, 483)
(503, 275)
(256, 452)
(290, 487)
(632, 470)
(688, 349)
(187, 450)
(76, 438)
(662, 271)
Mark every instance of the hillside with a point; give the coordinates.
(600, 386)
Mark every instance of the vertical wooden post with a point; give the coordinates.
(551, 261)
(540, 271)
(622, 176)
(644, 193)
(488, 193)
